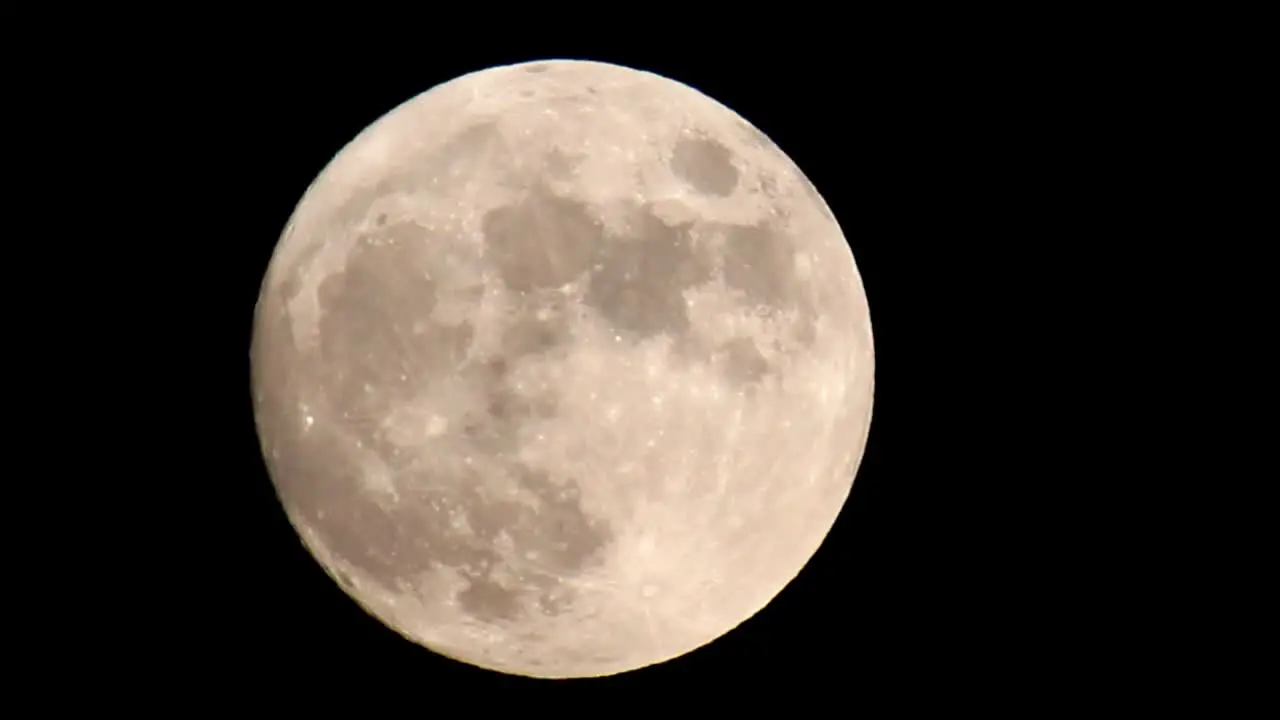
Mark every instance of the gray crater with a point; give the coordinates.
(742, 362)
(706, 165)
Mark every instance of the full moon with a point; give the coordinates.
(562, 369)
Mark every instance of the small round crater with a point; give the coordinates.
(537, 68)
(497, 367)
(741, 361)
(553, 603)
(706, 165)
(472, 426)
(560, 164)
(486, 600)
(505, 406)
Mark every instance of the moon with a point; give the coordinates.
(562, 369)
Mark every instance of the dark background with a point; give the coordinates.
(1011, 184)
(929, 583)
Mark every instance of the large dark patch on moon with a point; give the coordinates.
(759, 264)
(542, 241)
(639, 285)
(706, 165)
(741, 361)
(379, 348)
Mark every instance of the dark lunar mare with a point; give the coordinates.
(639, 286)
(759, 263)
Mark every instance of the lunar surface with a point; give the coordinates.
(562, 369)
